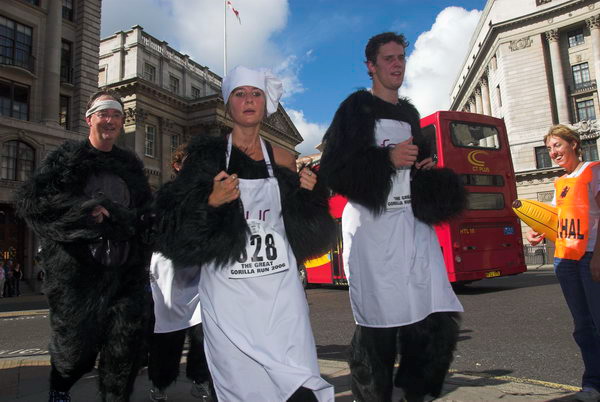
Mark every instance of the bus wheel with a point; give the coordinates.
(303, 276)
(462, 285)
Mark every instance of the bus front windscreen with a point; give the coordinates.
(474, 135)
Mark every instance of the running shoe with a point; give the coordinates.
(201, 390)
(59, 396)
(157, 395)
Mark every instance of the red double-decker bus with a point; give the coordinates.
(485, 241)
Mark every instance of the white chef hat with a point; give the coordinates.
(262, 79)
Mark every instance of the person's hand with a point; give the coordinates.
(225, 189)
(426, 164)
(404, 153)
(308, 179)
(99, 213)
(534, 238)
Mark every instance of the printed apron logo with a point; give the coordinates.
(399, 196)
(265, 253)
(388, 133)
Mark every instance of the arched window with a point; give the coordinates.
(18, 161)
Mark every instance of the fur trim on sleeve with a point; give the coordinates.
(52, 201)
(437, 195)
(188, 230)
(309, 227)
(352, 164)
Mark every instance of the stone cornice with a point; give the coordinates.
(593, 22)
(520, 44)
(552, 35)
(587, 129)
(538, 176)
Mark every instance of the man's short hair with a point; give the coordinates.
(109, 92)
(381, 39)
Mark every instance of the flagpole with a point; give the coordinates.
(224, 37)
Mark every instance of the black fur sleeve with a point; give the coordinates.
(49, 203)
(309, 227)
(437, 195)
(352, 164)
(188, 230)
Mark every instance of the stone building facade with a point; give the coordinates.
(48, 70)
(535, 63)
(169, 98)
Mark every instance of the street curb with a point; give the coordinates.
(528, 381)
(331, 369)
(24, 312)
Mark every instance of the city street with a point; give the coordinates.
(515, 326)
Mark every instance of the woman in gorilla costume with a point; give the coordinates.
(240, 211)
(96, 299)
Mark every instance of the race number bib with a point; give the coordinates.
(265, 253)
(399, 196)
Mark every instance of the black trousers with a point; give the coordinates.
(426, 351)
(112, 332)
(165, 355)
(303, 395)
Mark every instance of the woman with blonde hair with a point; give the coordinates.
(577, 255)
(239, 210)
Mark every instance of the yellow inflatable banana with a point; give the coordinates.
(539, 216)
(317, 262)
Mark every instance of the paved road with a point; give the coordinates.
(516, 326)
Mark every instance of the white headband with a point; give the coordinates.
(103, 105)
(262, 79)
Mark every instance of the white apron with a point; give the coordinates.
(175, 294)
(258, 339)
(393, 261)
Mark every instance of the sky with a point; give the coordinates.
(315, 46)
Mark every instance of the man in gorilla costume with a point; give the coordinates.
(87, 204)
(376, 156)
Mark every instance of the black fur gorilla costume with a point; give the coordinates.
(94, 309)
(354, 166)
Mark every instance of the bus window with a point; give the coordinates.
(482, 180)
(474, 135)
(429, 139)
(485, 201)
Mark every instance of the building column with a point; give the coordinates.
(593, 24)
(120, 56)
(478, 101)
(485, 96)
(560, 90)
(471, 105)
(52, 53)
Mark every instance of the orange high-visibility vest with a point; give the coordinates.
(573, 205)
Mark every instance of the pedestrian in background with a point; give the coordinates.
(176, 314)
(17, 277)
(9, 281)
(577, 248)
(2, 279)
